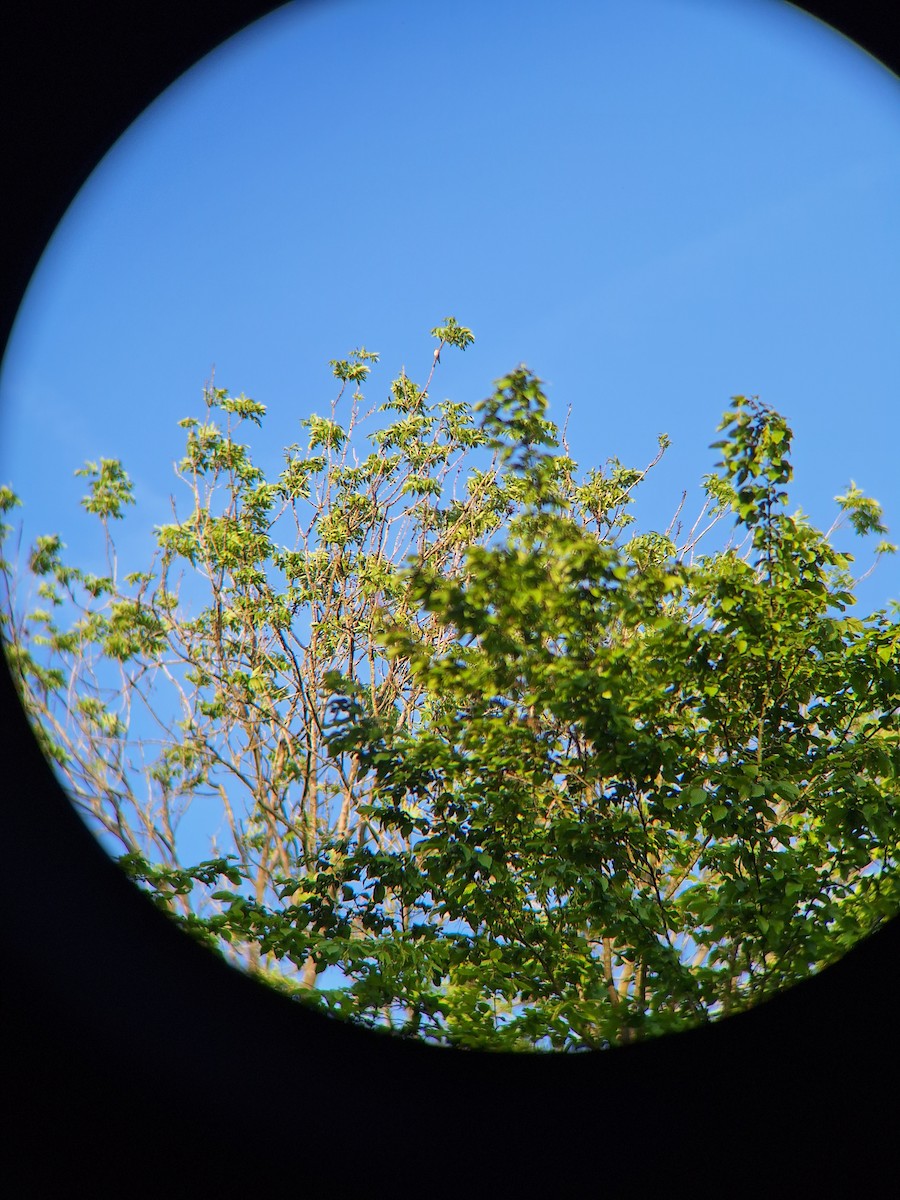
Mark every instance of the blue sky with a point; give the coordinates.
(654, 204)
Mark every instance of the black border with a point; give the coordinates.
(134, 1058)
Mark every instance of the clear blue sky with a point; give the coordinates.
(655, 204)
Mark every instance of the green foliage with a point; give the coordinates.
(511, 780)
(453, 334)
(110, 488)
(636, 795)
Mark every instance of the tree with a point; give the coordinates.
(522, 779)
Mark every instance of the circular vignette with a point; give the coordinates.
(92, 959)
